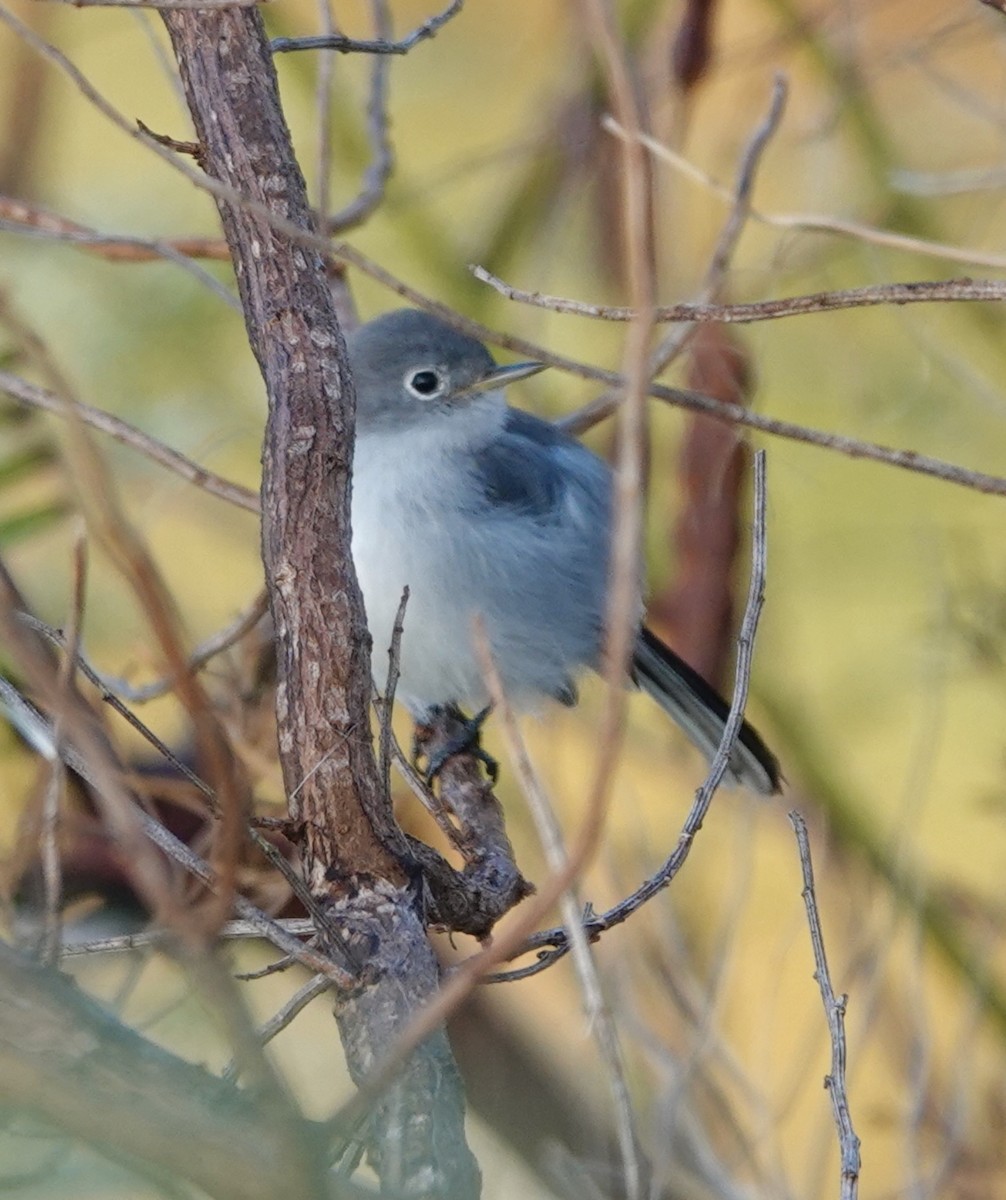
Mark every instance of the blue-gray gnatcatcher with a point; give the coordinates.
(485, 509)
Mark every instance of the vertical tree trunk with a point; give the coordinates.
(354, 855)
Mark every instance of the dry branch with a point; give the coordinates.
(834, 1011)
(346, 45)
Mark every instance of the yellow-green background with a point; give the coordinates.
(879, 665)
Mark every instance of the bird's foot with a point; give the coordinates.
(451, 733)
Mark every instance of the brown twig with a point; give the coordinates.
(57, 638)
(323, 109)
(834, 1011)
(18, 216)
(621, 617)
(204, 653)
(908, 460)
(346, 45)
(921, 292)
(740, 210)
(491, 882)
(37, 222)
(38, 397)
(386, 702)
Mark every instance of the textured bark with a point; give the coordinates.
(353, 850)
(474, 899)
(322, 641)
(419, 1149)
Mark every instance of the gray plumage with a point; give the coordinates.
(482, 508)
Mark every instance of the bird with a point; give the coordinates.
(480, 508)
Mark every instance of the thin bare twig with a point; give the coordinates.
(323, 109)
(834, 1011)
(322, 922)
(620, 616)
(595, 924)
(386, 702)
(733, 414)
(599, 1017)
(675, 340)
(823, 223)
(382, 161)
(52, 874)
(346, 45)
(740, 207)
(921, 292)
(163, 4)
(38, 397)
(279, 1021)
(32, 221)
(426, 796)
(207, 650)
(236, 930)
(65, 683)
(58, 638)
(52, 871)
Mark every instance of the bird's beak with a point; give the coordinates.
(501, 376)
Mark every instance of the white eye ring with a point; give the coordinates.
(425, 383)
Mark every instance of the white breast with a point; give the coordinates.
(408, 529)
(421, 517)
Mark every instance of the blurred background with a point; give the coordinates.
(879, 666)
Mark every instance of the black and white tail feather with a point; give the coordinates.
(701, 713)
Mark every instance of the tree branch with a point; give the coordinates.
(355, 857)
(834, 1011)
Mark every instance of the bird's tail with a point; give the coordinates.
(702, 713)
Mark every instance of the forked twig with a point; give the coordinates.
(347, 45)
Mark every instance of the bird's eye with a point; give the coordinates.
(424, 383)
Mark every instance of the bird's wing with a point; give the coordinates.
(532, 466)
